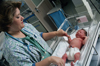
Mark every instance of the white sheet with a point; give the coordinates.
(61, 49)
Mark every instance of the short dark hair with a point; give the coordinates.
(7, 12)
(85, 31)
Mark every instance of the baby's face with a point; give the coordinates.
(80, 34)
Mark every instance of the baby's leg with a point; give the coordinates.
(64, 57)
(76, 57)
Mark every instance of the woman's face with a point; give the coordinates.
(17, 23)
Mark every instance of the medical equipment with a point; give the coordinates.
(96, 4)
(57, 16)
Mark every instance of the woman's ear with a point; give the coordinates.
(8, 25)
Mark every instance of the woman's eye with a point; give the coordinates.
(17, 17)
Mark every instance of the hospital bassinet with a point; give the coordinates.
(60, 44)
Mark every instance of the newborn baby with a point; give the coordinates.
(73, 52)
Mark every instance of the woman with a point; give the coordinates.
(23, 44)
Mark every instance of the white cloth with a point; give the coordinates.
(71, 52)
(61, 49)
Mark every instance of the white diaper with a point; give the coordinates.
(71, 52)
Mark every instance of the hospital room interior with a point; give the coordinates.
(69, 15)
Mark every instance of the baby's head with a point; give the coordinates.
(81, 33)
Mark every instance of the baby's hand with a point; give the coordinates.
(85, 39)
(67, 35)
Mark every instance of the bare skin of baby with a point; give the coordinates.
(77, 42)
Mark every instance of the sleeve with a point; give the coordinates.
(41, 34)
(33, 64)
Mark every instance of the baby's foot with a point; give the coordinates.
(64, 57)
(72, 63)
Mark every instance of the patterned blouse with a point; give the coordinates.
(17, 54)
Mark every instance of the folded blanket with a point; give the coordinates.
(61, 49)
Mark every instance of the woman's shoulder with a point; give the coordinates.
(27, 24)
(29, 27)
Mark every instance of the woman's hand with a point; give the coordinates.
(52, 59)
(61, 33)
(49, 35)
(56, 60)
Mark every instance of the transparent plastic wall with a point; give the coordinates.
(87, 49)
(91, 33)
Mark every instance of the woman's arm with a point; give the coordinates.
(52, 59)
(47, 36)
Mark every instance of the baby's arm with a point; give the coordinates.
(85, 39)
(69, 39)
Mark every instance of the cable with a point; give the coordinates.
(95, 6)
